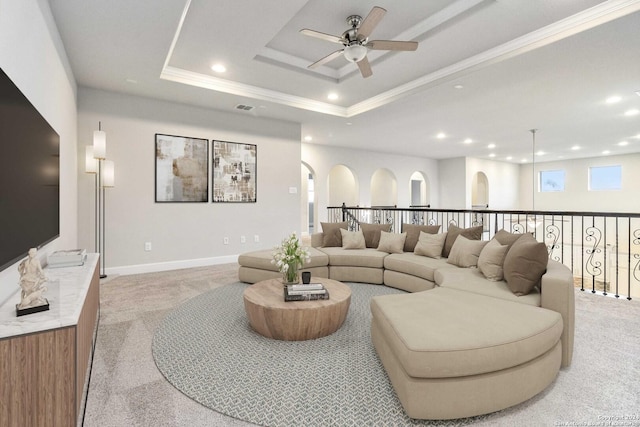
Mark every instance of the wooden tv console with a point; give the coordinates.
(44, 357)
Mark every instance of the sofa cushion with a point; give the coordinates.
(524, 264)
(491, 260)
(473, 281)
(372, 233)
(444, 333)
(413, 234)
(392, 243)
(331, 236)
(367, 257)
(415, 265)
(352, 239)
(262, 259)
(472, 233)
(464, 252)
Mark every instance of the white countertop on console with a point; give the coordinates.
(67, 290)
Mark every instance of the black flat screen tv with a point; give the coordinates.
(29, 176)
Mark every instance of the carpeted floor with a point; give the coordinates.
(128, 390)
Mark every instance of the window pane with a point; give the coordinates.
(551, 181)
(605, 178)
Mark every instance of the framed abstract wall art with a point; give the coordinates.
(182, 169)
(234, 172)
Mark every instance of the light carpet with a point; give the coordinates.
(128, 390)
(207, 349)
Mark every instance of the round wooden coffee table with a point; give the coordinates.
(272, 317)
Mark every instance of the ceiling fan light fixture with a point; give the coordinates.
(355, 52)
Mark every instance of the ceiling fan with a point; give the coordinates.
(356, 41)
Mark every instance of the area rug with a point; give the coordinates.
(207, 350)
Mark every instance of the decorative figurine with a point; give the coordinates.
(32, 280)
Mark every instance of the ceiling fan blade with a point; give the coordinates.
(323, 36)
(326, 59)
(371, 21)
(365, 67)
(392, 45)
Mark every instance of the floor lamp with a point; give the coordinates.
(104, 178)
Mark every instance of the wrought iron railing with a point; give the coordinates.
(602, 249)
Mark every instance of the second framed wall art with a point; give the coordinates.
(234, 172)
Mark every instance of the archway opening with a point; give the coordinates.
(384, 188)
(479, 191)
(419, 190)
(342, 187)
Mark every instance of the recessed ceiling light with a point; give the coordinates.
(308, 138)
(218, 68)
(509, 158)
(613, 99)
(606, 152)
(540, 153)
(458, 87)
(440, 135)
(638, 136)
(523, 161)
(575, 147)
(492, 145)
(632, 112)
(623, 143)
(332, 96)
(468, 141)
(349, 123)
(132, 81)
(492, 155)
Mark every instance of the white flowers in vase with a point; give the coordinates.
(290, 256)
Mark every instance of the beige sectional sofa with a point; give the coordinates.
(457, 345)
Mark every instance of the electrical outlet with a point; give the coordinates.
(225, 240)
(256, 238)
(147, 246)
(243, 239)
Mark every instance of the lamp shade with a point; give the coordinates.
(99, 144)
(108, 174)
(90, 162)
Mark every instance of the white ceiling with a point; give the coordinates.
(522, 64)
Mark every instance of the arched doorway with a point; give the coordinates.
(343, 187)
(479, 190)
(419, 190)
(384, 188)
(309, 206)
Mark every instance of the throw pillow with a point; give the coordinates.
(505, 238)
(413, 234)
(392, 242)
(352, 239)
(491, 260)
(331, 233)
(525, 264)
(430, 244)
(372, 233)
(472, 233)
(465, 252)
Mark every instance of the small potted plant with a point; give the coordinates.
(289, 257)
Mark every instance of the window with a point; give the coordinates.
(551, 181)
(605, 178)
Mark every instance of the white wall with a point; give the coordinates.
(183, 234)
(32, 55)
(322, 158)
(577, 196)
(452, 183)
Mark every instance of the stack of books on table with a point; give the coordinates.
(308, 292)
(67, 258)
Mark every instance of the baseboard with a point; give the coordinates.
(170, 265)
